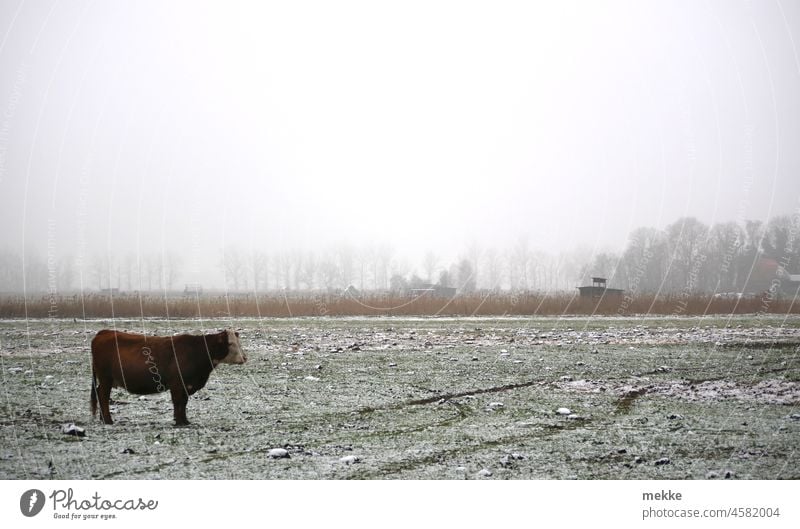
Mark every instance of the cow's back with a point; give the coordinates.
(136, 362)
(107, 339)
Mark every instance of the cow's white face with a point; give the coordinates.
(235, 354)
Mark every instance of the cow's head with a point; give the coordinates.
(235, 354)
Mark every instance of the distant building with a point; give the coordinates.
(767, 275)
(759, 279)
(598, 289)
(436, 291)
(351, 292)
(790, 283)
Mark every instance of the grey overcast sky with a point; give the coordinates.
(130, 126)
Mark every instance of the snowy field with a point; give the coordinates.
(408, 398)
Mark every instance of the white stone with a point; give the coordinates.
(564, 411)
(278, 453)
(72, 429)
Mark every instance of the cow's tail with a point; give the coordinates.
(94, 393)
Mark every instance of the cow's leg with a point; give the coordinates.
(104, 396)
(179, 400)
(93, 396)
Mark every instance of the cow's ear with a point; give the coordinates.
(222, 336)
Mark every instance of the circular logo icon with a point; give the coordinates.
(31, 502)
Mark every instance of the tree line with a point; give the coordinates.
(686, 257)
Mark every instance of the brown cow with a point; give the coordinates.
(151, 364)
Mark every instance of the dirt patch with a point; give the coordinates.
(771, 391)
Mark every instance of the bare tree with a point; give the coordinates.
(301, 273)
(171, 270)
(725, 243)
(417, 282)
(234, 268)
(429, 265)
(283, 270)
(398, 284)
(605, 265)
(98, 271)
(493, 267)
(66, 273)
(466, 276)
(346, 259)
(686, 239)
(329, 272)
(10, 271)
(520, 256)
(473, 255)
(259, 269)
(644, 260)
(750, 253)
(782, 242)
(364, 259)
(383, 258)
(306, 270)
(128, 270)
(35, 271)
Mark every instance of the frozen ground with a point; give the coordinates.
(424, 398)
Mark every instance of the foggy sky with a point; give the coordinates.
(138, 127)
